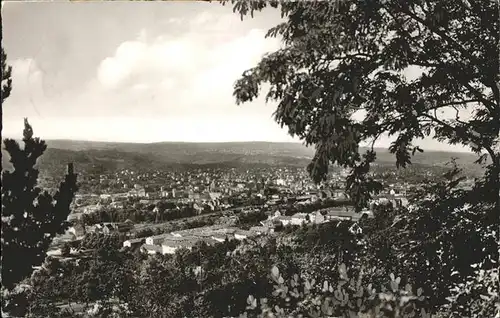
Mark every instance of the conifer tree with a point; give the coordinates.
(6, 81)
(30, 217)
(6, 77)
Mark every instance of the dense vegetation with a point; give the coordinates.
(31, 217)
(192, 283)
(315, 271)
(439, 257)
(342, 58)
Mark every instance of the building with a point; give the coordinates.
(151, 249)
(339, 194)
(133, 242)
(156, 239)
(220, 237)
(103, 228)
(78, 230)
(355, 229)
(283, 220)
(280, 182)
(261, 230)
(316, 217)
(298, 219)
(169, 246)
(137, 193)
(242, 234)
(340, 214)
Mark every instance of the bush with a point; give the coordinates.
(349, 297)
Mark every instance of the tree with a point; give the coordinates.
(342, 58)
(352, 71)
(6, 82)
(30, 218)
(442, 242)
(6, 77)
(346, 296)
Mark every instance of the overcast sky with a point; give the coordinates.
(136, 71)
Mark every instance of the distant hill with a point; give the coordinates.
(130, 155)
(194, 152)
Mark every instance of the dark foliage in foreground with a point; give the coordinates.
(285, 275)
(346, 57)
(341, 57)
(30, 217)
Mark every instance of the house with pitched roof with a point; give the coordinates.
(133, 242)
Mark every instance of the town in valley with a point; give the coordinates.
(158, 211)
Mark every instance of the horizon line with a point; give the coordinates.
(161, 141)
(214, 142)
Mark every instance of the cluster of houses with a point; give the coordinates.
(77, 231)
(316, 217)
(393, 197)
(171, 242)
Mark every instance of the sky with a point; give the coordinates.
(138, 72)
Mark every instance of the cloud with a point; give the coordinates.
(185, 74)
(184, 59)
(181, 79)
(154, 61)
(28, 87)
(26, 74)
(166, 75)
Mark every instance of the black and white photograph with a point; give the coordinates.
(271, 159)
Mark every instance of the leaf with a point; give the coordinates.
(343, 271)
(325, 286)
(250, 299)
(275, 272)
(419, 292)
(417, 148)
(307, 284)
(408, 288)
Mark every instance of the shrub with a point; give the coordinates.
(349, 297)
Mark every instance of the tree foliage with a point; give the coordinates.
(349, 72)
(348, 296)
(30, 217)
(6, 77)
(364, 274)
(396, 65)
(6, 82)
(340, 80)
